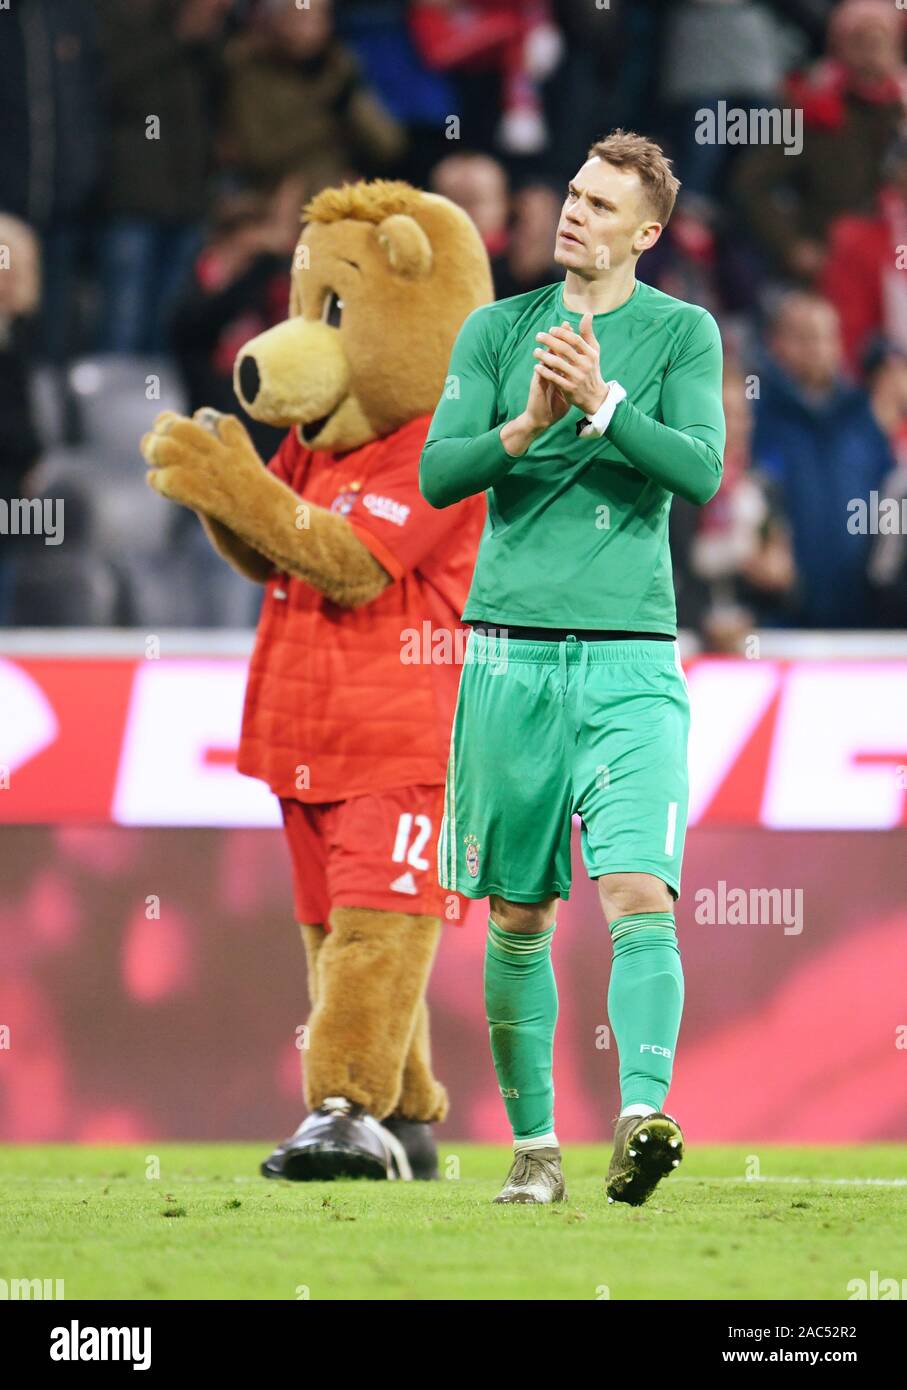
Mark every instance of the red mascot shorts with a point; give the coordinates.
(377, 851)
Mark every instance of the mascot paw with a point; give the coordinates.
(339, 1140)
(205, 463)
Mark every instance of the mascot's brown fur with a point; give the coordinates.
(408, 266)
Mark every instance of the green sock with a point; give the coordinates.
(521, 1006)
(645, 1002)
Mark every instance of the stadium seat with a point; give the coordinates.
(229, 600)
(156, 556)
(182, 589)
(63, 475)
(47, 389)
(120, 512)
(128, 517)
(71, 587)
(113, 401)
(159, 592)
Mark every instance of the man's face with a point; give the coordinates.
(302, 32)
(605, 220)
(479, 186)
(891, 377)
(807, 343)
(872, 48)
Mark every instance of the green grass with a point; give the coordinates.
(210, 1228)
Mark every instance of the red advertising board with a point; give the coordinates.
(781, 744)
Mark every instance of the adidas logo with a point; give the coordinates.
(405, 884)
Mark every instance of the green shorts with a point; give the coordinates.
(547, 730)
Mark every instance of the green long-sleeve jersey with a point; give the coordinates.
(577, 529)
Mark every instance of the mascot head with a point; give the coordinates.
(383, 277)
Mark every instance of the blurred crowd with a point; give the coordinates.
(156, 156)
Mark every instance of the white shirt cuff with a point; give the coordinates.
(595, 425)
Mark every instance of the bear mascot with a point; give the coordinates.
(351, 693)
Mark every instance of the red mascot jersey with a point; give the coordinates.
(345, 701)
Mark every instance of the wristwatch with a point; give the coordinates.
(593, 426)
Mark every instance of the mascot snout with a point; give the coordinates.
(295, 373)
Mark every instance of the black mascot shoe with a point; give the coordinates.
(338, 1140)
(419, 1144)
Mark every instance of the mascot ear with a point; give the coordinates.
(300, 258)
(405, 245)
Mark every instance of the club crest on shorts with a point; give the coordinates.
(472, 855)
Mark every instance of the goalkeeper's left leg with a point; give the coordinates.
(645, 1001)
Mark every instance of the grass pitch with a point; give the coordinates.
(209, 1228)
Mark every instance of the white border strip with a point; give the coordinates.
(232, 642)
(126, 642)
(828, 1182)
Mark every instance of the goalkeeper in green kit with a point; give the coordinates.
(580, 410)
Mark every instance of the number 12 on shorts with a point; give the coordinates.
(410, 852)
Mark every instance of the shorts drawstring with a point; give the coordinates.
(581, 688)
(581, 678)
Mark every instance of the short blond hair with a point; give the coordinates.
(626, 150)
